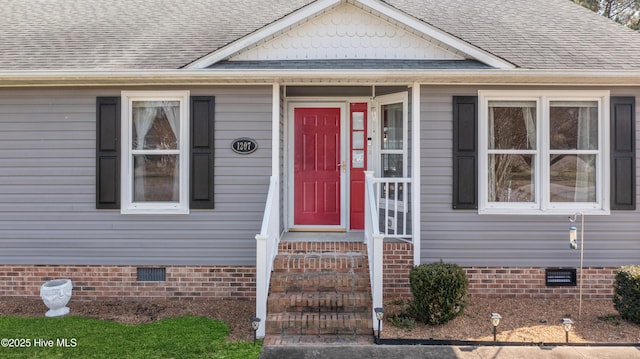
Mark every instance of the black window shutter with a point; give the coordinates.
(202, 152)
(107, 153)
(623, 170)
(465, 152)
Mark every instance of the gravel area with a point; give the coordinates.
(524, 320)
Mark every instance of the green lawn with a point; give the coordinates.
(75, 337)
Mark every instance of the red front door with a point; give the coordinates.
(317, 166)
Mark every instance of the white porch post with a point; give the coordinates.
(262, 287)
(378, 274)
(375, 249)
(415, 171)
(264, 254)
(275, 132)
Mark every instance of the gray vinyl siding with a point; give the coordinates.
(470, 239)
(47, 186)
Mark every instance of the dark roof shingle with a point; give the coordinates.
(168, 34)
(535, 34)
(126, 34)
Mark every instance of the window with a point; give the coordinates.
(544, 152)
(392, 145)
(154, 152)
(114, 122)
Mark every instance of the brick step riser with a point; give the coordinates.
(319, 303)
(320, 331)
(347, 339)
(337, 283)
(324, 331)
(279, 308)
(322, 247)
(310, 263)
(310, 287)
(318, 324)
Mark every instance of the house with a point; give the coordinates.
(162, 149)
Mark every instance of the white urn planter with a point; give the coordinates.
(56, 294)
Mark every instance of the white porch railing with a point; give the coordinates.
(393, 204)
(393, 211)
(266, 251)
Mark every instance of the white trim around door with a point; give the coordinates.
(289, 170)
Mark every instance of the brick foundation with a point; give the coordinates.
(120, 282)
(529, 282)
(486, 282)
(191, 282)
(518, 282)
(398, 261)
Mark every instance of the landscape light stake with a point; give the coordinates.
(495, 321)
(567, 324)
(572, 244)
(255, 323)
(379, 315)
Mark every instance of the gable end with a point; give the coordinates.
(349, 30)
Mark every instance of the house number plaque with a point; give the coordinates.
(244, 145)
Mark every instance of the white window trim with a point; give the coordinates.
(403, 98)
(543, 206)
(128, 206)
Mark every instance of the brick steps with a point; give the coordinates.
(318, 340)
(322, 247)
(319, 282)
(298, 323)
(319, 292)
(334, 262)
(319, 302)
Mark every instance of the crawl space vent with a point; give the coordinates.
(152, 274)
(559, 277)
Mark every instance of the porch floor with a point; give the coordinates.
(355, 236)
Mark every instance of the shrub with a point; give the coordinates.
(402, 320)
(439, 292)
(626, 293)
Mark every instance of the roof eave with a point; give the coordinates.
(185, 77)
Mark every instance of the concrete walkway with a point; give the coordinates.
(446, 352)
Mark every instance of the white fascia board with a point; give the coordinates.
(128, 78)
(437, 34)
(264, 33)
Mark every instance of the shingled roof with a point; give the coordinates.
(169, 34)
(534, 34)
(126, 34)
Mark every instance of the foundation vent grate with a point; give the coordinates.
(559, 277)
(152, 274)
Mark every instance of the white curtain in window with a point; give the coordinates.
(172, 114)
(492, 163)
(584, 181)
(530, 124)
(143, 118)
